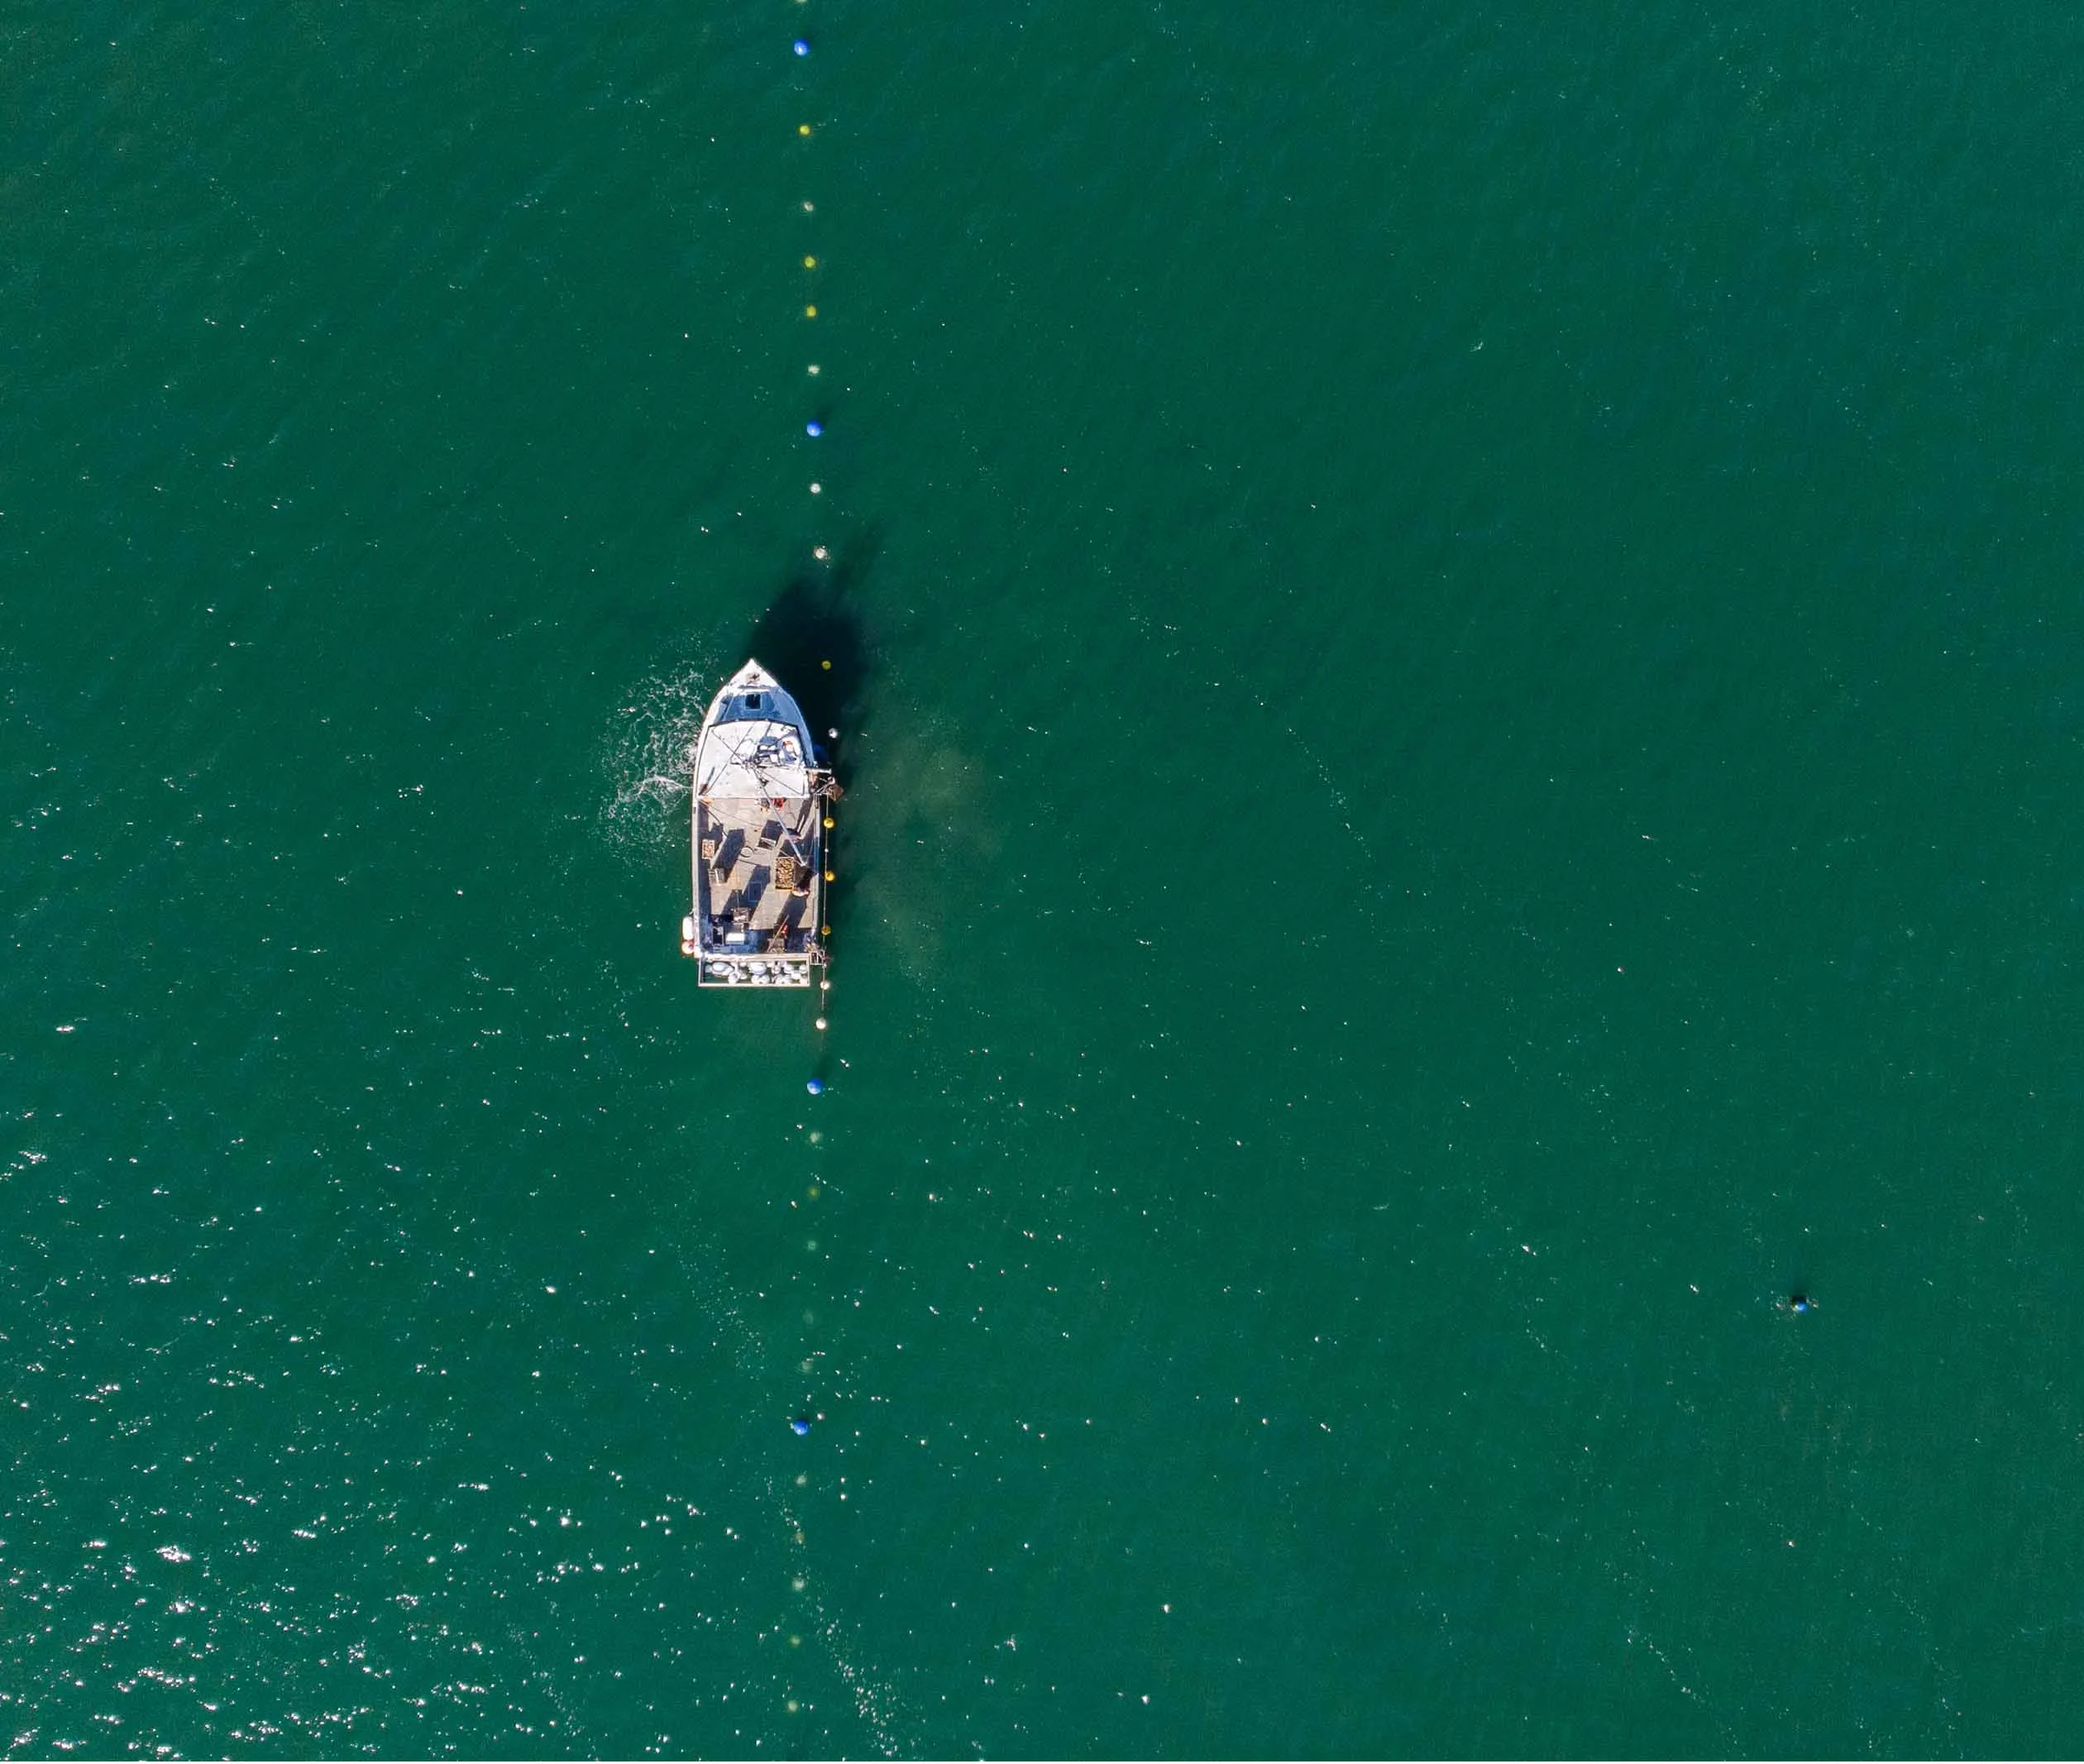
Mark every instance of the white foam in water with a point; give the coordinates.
(647, 758)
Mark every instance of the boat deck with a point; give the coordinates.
(758, 868)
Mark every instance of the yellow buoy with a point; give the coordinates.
(809, 312)
(830, 876)
(809, 263)
(803, 128)
(826, 665)
(828, 822)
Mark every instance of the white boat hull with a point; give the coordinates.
(759, 840)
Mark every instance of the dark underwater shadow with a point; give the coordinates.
(813, 638)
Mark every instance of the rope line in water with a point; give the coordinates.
(874, 1700)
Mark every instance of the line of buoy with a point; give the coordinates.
(813, 428)
(800, 1422)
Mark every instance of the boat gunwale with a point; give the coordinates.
(804, 833)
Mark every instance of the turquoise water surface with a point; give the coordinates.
(1456, 640)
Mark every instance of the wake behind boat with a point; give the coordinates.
(759, 840)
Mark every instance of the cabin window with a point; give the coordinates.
(751, 700)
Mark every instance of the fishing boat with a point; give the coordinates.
(760, 819)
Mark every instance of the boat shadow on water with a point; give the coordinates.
(815, 620)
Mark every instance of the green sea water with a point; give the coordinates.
(1463, 740)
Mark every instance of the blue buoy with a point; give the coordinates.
(1800, 1304)
(816, 1087)
(814, 429)
(801, 47)
(800, 1426)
